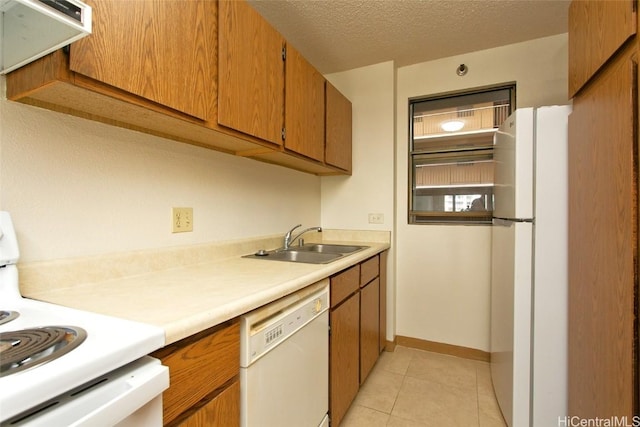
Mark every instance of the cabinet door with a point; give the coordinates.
(596, 30)
(369, 327)
(603, 247)
(304, 107)
(251, 73)
(338, 129)
(344, 358)
(163, 51)
(222, 411)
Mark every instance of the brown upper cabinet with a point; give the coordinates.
(208, 73)
(304, 107)
(337, 129)
(251, 67)
(267, 88)
(597, 29)
(134, 47)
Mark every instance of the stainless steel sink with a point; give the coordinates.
(330, 248)
(292, 255)
(319, 253)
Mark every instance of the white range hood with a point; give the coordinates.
(30, 29)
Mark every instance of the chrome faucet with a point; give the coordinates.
(288, 240)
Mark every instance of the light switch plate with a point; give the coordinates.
(182, 219)
(376, 218)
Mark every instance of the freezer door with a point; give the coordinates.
(513, 157)
(511, 318)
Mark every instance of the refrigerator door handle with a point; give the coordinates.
(508, 222)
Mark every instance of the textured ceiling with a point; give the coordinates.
(338, 35)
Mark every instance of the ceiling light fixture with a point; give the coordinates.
(452, 125)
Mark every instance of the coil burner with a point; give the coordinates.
(26, 348)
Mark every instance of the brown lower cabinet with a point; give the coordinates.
(369, 324)
(383, 301)
(354, 345)
(203, 372)
(344, 358)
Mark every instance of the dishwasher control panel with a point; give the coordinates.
(273, 334)
(263, 329)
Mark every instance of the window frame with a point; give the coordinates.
(416, 217)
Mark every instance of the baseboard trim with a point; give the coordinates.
(391, 345)
(438, 347)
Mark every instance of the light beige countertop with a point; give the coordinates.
(197, 293)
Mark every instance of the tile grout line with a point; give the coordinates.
(395, 399)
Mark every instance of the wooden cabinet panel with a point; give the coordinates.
(134, 47)
(369, 270)
(222, 411)
(199, 365)
(304, 107)
(603, 249)
(383, 300)
(338, 124)
(369, 324)
(344, 361)
(344, 284)
(251, 73)
(597, 29)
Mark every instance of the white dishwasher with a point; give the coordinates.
(284, 361)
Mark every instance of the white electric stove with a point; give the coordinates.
(102, 375)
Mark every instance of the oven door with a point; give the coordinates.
(128, 396)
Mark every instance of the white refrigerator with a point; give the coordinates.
(529, 267)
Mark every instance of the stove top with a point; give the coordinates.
(92, 344)
(105, 343)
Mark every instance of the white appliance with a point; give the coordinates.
(284, 361)
(105, 380)
(529, 267)
(30, 29)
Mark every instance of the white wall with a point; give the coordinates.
(76, 188)
(443, 272)
(348, 200)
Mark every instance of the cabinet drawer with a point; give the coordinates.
(199, 365)
(344, 284)
(369, 270)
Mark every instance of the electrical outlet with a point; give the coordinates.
(376, 218)
(182, 219)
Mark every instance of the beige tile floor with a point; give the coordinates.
(416, 388)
